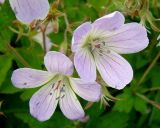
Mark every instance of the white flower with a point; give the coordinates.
(59, 86)
(99, 44)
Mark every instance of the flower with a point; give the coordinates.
(59, 86)
(99, 44)
(28, 10)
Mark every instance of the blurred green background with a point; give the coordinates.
(139, 104)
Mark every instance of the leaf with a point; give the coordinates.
(7, 17)
(5, 65)
(154, 118)
(27, 94)
(7, 87)
(126, 102)
(112, 120)
(140, 105)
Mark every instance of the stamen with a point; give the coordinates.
(57, 98)
(62, 89)
(100, 54)
(58, 84)
(62, 96)
(98, 46)
(100, 51)
(108, 51)
(103, 42)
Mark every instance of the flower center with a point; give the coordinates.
(99, 47)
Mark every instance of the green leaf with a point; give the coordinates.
(5, 65)
(7, 17)
(7, 87)
(140, 105)
(112, 120)
(126, 102)
(27, 94)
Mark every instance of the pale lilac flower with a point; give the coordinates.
(28, 10)
(59, 86)
(99, 45)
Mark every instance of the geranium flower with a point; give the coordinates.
(28, 10)
(99, 45)
(59, 86)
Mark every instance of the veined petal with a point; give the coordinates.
(79, 34)
(70, 105)
(30, 78)
(84, 64)
(28, 10)
(114, 69)
(57, 62)
(44, 102)
(109, 22)
(130, 38)
(90, 91)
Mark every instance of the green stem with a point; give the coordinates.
(18, 56)
(44, 41)
(149, 68)
(155, 104)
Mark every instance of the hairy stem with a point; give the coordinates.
(18, 56)
(44, 41)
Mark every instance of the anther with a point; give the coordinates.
(62, 97)
(103, 42)
(108, 51)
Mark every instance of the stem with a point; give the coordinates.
(44, 41)
(149, 68)
(155, 104)
(152, 89)
(19, 57)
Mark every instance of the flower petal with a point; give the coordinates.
(130, 38)
(28, 10)
(84, 64)
(57, 62)
(114, 69)
(44, 102)
(30, 78)
(79, 34)
(90, 91)
(70, 105)
(109, 22)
